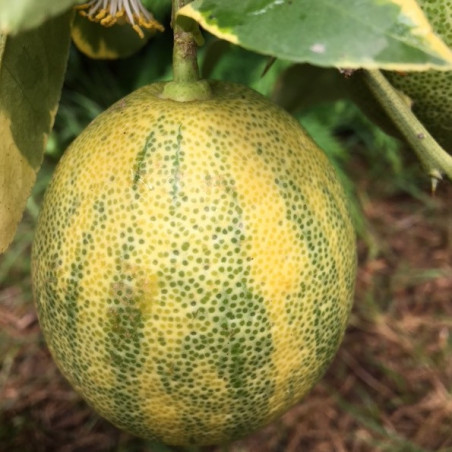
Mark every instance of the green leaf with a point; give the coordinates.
(159, 8)
(19, 15)
(222, 61)
(32, 66)
(389, 34)
(301, 86)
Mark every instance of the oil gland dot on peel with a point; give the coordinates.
(111, 12)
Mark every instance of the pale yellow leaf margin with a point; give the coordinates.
(29, 96)
(190, 11)
(17, 177)
(411, 11)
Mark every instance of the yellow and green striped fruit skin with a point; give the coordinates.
(194, 264)
(431, 91)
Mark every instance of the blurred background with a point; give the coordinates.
(389, 387)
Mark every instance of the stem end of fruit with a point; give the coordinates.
(187, 91)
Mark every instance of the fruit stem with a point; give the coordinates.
(185, 63)
(186, 85)
(434, 158)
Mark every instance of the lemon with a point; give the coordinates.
(194, 264)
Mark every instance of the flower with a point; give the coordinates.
(110, 12)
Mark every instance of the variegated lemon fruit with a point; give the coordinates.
(194, 264)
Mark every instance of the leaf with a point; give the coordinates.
(302, 86)
(32, 66)
(20, 15)
(160, 9)
(223, 61)
(389, 34)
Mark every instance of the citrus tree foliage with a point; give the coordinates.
(32, 66)
(34, 37)
(390, 34)
(19, 15)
